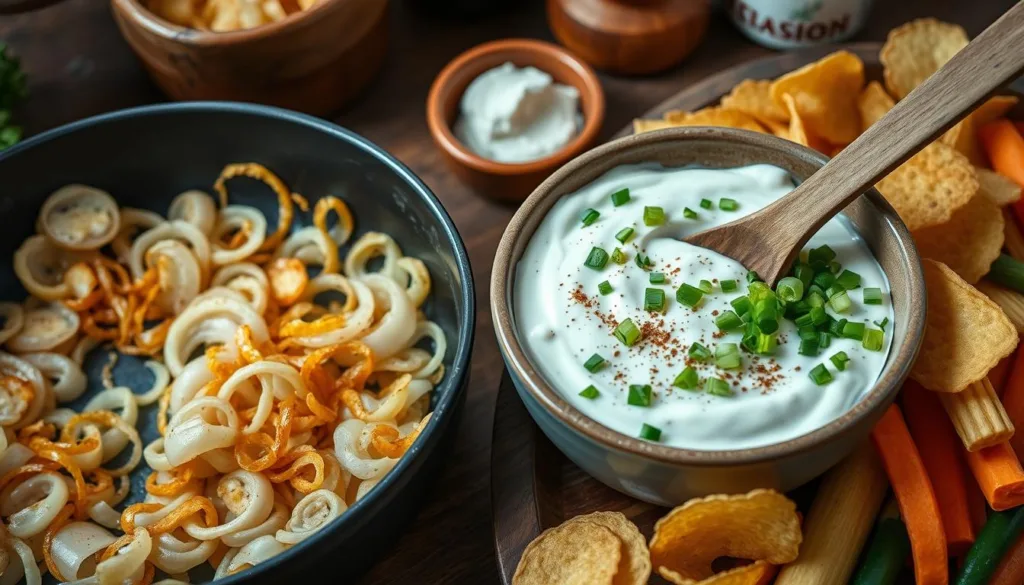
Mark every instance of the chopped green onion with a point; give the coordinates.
(872, 296)
(809, 346)
(790, 289)
(815, 289)
(824, 279)
(766, 315)
(643, 261)
(654, 299)
(765, 344)
(727, 356)
(687, 379)
(804, 320)
(657, 278)
(620, 197)
(758, 290)
(873, 339)
(627, 332)
(728, 285)
(595, 363)
(836, 328)
(590, 392)
(741, 305)
(689, 213)
(597, 259)
(818, 316)
(624, 234)
(706, 203)
(706, 286)
(618, 256)
(718, 387)
(849, 279)
(804, 272)
(834, 267)
(726, 204)
(591, 216)
(654, 216)
(794, 310)
(728, 321)
(752, 276)
(807, 332)
(840, 302)
(750, 335)
(689, 295)
(839, 360)
(833, 290)
(639, 395)
(821, 254)
(815, 300)
(699, 352)
(649, 433)
(853, 330)
(820, 375)
(824, 339)
(605, 288)
(1007, 271)
(881, 324)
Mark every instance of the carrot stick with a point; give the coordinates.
(1013, 400)
(999, 475)
(915, 495)
(1011, 568)
(1005, 148)
(940, 448)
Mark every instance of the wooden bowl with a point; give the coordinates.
(630, 37)
(508, 181)
(313, 61)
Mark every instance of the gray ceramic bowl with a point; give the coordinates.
(666, 475)
(145, 156)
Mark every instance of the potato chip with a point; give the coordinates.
(762, 525)
(995, 107)
(825, 93)
(758, 573)
(715, 116)
(576, 553)
(1001, 190)
(917, 49)
(641, 126)
(873, 103)
(929, 187)
(780, 129)
(969, 242)
(966, 333)
(754, 97)
(963, 139)
(797, 131)
(635, 564)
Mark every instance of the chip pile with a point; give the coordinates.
(226, 15)
(946, 194)
(605, 548)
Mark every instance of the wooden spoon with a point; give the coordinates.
(769, 240)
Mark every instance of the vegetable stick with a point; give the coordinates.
(1000, 532)
(1013, 399)
(1011, 302)
(999, 475)
(978, 415)
(1013, 240)
(887, 552)
(940, 452)
(1004, 146)
(1011, 568)
(839, 521)
(916, 497)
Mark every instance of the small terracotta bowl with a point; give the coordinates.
(510, 182)
(666, 475)
(313, 61)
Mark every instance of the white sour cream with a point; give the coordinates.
(514, 115)
(774, 398)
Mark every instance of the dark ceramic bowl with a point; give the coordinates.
(145, 156)
(667, 475)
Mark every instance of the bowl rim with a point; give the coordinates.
(456, 378)
(441, 130)
(532, 382)
(153, 23)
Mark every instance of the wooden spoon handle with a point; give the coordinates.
(995, 57)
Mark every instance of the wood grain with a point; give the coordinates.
(769, 240)
(92, 70)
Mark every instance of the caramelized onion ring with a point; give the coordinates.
(77, 217)
(194, 207)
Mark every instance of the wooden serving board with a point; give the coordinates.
(534, 486)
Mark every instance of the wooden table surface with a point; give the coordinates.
(78, 66)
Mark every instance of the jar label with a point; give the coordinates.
(786, 24)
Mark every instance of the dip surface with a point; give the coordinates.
(515, 115)
(562, 319)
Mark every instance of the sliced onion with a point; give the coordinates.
(31, 505)
(419, 279)
(258, 551)
(14, 320)
(174, 553)
(40, 267)
(132, 221)
(195, 207)
(396, 328)
(193, 377)
(353, 456)
(78, 217)
(180, 275)
(182, 337)
(312, 513)
(66, 377)
(276, 380)
(45, 328)
(82, 349)
(372, 245)
(19, 368)
(247, 495)
(23, 566)
(119, 397)
(356, 322)
(15, 456)
(247, 279)
(171, 230)
(161, 378)
(128, 561)
(231, 219)
(276, 521)
(75, 546)
(192, 431)
(311, 246)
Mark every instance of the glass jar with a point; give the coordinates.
(791, 24)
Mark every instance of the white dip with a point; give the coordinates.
(515, 115)
(563, 319)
